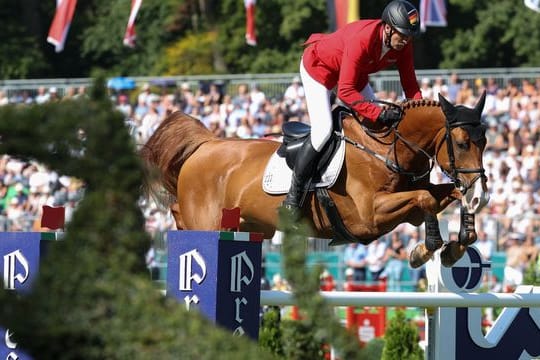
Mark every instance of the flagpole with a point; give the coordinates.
(354, 11)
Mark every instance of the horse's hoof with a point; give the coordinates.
(451, 253)
(419, 256)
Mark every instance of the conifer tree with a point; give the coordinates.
(93, 298)
(401, 340)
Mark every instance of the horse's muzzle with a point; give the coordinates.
(476, 196)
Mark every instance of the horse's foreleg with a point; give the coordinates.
(416, 207)
(424, 251)
(391, 209)
(433, 233)
(454, 250)
(445, 194)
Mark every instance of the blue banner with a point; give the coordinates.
(218, 275)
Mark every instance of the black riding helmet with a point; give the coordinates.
(402, 16)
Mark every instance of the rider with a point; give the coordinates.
(346, 58)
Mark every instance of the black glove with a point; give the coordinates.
(389, 116)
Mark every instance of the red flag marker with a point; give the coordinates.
(251, 37)
(53, 217)
(61, 22)
(130, 36)
(230, 219)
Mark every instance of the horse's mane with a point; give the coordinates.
(417, 105)
(411, 104)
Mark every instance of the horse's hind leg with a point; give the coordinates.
(424, 251)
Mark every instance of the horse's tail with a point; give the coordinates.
(163, 155)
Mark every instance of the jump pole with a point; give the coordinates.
(421, 300)
(453, 312)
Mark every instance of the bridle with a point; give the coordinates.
(393, 164)
(454, 171)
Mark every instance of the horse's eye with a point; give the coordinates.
(463, 146)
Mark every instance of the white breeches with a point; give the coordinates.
(319, 107)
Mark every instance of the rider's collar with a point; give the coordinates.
(384, 48)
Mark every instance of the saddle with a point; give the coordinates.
(294, 135)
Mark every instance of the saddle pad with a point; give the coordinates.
(277, 175)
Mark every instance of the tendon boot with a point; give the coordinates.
(304, 167)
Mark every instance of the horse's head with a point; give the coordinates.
(461, 158)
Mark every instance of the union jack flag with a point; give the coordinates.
(432, 13)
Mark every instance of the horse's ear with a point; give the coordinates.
(447, 107)
(480, 104)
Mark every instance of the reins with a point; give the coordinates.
(394, 166)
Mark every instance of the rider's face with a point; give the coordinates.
(398, 40)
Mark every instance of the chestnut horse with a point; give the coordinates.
(203, 174)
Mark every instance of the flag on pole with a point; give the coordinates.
(342, 12)
(533, 4)
(353, 10)
(60, 24)
(130, 36)
(432, 13)
(251, 37)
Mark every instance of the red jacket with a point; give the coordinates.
(346, 58)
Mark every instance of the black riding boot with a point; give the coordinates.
(304, 167)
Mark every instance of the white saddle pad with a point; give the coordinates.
(277, 175)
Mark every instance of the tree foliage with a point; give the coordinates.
(401, 339)
(101, 41)
(481, 33)
(20, 53)
(319, 325)
(282, 27)
(192, 55)
(93, 298)
(504, 34)
(270, 333)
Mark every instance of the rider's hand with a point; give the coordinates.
(389, 116)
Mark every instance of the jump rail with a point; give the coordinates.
(423, 300)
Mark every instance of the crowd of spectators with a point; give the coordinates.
(247, 113)
(509, 223)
